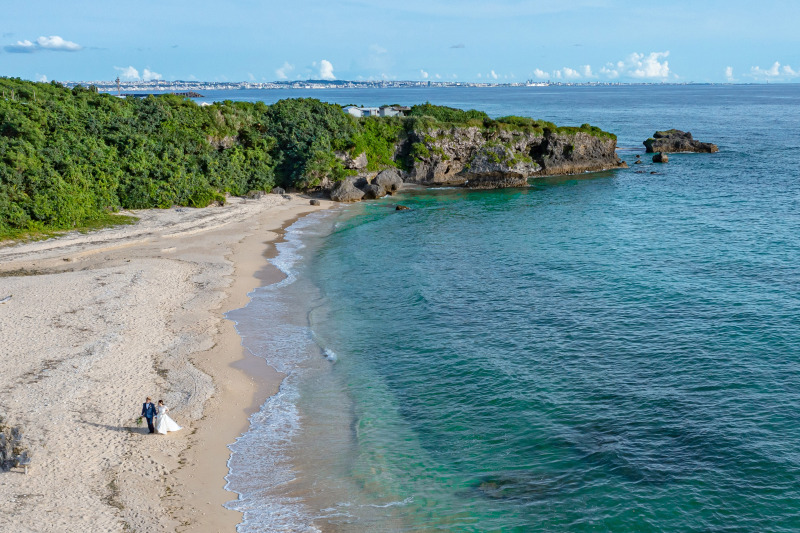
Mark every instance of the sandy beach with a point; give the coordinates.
(97, 322)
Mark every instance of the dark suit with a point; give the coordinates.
(149, 411)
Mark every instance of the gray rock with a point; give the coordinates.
(286, 196)
(660, 158)
(677, 141)
(346, 191)
(13, 452)
(473, 157)
(314, 202)
(358, 181)
(278, 190)
(401, 208)
(495, 166)
(255, 195)
(358, 162)
(389, 179)
(374, 191)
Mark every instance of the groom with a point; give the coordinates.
(149, 411)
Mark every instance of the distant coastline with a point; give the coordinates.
(184, 85)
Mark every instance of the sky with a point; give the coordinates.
(456, 40)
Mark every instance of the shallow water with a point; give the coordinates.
(618, 351)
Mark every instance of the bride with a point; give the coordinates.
(165, 423)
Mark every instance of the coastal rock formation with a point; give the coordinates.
(373, 191)
(660, 158)
(481, 158)
(496, 166)
(346, 191)
(390, 179)
(490, 159)
(677, 141)
(358, 162)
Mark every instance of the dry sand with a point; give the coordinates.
(96, 323)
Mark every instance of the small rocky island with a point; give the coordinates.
(671, 141)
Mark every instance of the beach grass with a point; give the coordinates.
(11, 236)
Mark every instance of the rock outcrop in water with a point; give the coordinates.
(671, 141)
(481, 158)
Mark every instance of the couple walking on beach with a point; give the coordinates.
(163, 422)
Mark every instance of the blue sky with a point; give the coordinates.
(465, 40)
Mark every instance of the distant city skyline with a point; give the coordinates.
(507, 41)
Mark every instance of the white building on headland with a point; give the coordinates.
(384, 111)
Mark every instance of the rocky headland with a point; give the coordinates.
(477, 158)
(671, 141)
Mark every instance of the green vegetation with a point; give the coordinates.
(377, 138)
(448, 115)
(419, 151)
(71, 158)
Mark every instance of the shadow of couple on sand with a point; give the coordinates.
(142, 430)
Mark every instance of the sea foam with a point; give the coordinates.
(274, 328)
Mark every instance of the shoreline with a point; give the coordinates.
(103, 318)
(253, 271)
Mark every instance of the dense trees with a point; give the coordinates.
(71, 156)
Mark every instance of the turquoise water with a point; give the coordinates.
(618, 351)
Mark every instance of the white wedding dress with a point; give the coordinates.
(164, 423)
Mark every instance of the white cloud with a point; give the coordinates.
(326, 70)
(21, 47)
(609, 71)
(54, 42)
(776, 71)
(283, 72)
(250, 75)
(438, 76)
(41, 77)
(377, 49)
(568, 73)
(149, 75)
(636, 65)
(652, 66)
(493, 74)
(770, 72)
(729, 73)
(647, 66)
(480, 75)
(132, 74)
(423, 74)
(128, 73)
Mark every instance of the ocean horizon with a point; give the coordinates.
(612, 351)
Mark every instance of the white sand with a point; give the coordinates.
(107, 319)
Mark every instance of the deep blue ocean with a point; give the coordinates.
(616, 351)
